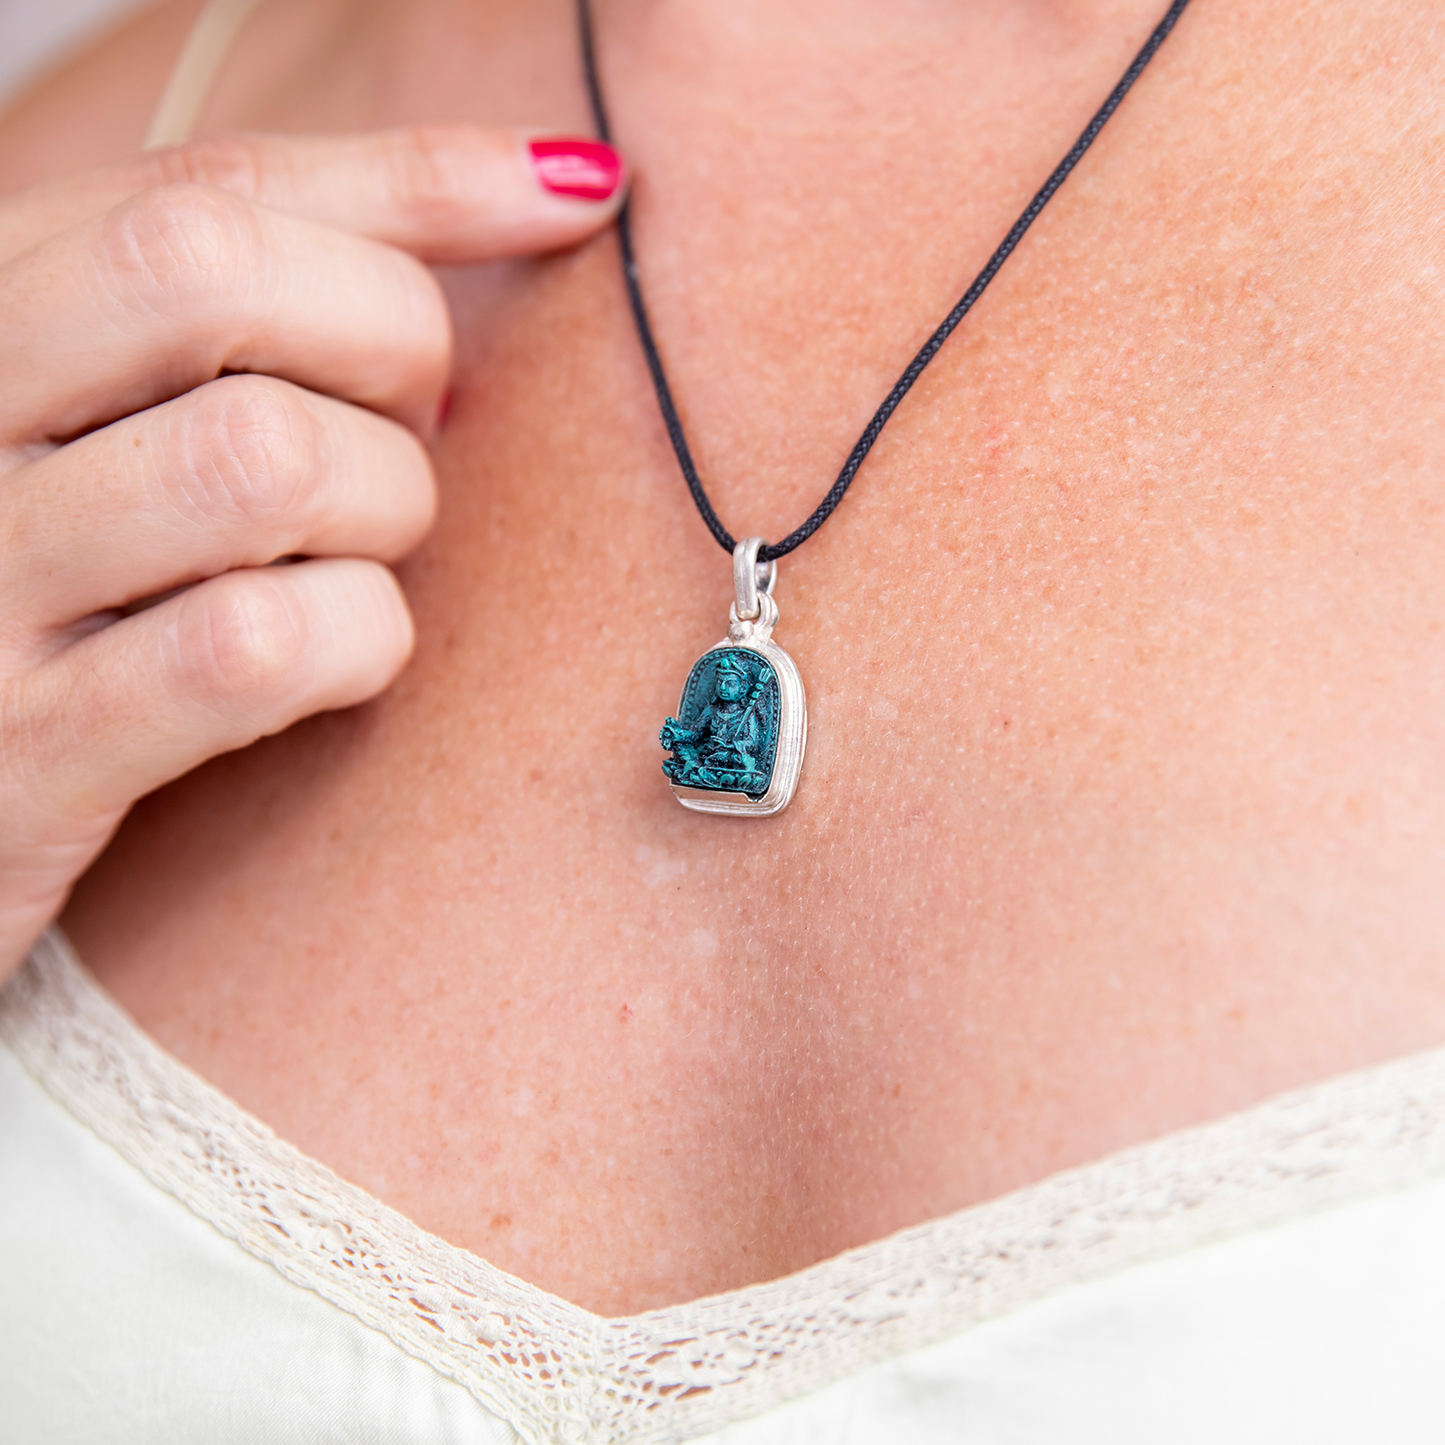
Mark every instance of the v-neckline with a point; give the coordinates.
(558, 1372)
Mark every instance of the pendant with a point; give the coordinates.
(737, 741)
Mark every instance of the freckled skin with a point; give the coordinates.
(1123, 802)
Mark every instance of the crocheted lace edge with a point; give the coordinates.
(558, 1373)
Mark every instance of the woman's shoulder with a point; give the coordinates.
(94, 106)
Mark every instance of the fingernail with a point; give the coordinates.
(586, 169)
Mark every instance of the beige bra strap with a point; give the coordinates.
(205, 48)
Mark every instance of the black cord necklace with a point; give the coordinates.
(737, 742)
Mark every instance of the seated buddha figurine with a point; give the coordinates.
(726, 742)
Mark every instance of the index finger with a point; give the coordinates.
(448, 194)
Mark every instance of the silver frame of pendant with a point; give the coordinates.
(755, 636)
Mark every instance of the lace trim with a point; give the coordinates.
(558, 1373)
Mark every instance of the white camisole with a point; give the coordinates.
(176, 1273)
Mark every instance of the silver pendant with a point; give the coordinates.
(737, 741)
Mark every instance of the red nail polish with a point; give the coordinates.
(586, 169)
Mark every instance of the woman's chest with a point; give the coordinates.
(1121, 803)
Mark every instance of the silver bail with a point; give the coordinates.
(751, 577)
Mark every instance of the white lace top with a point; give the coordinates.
(546, 1370)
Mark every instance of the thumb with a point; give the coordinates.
(449, 194)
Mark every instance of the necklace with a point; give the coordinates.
(737, 741)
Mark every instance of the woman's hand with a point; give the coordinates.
(210, 358)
